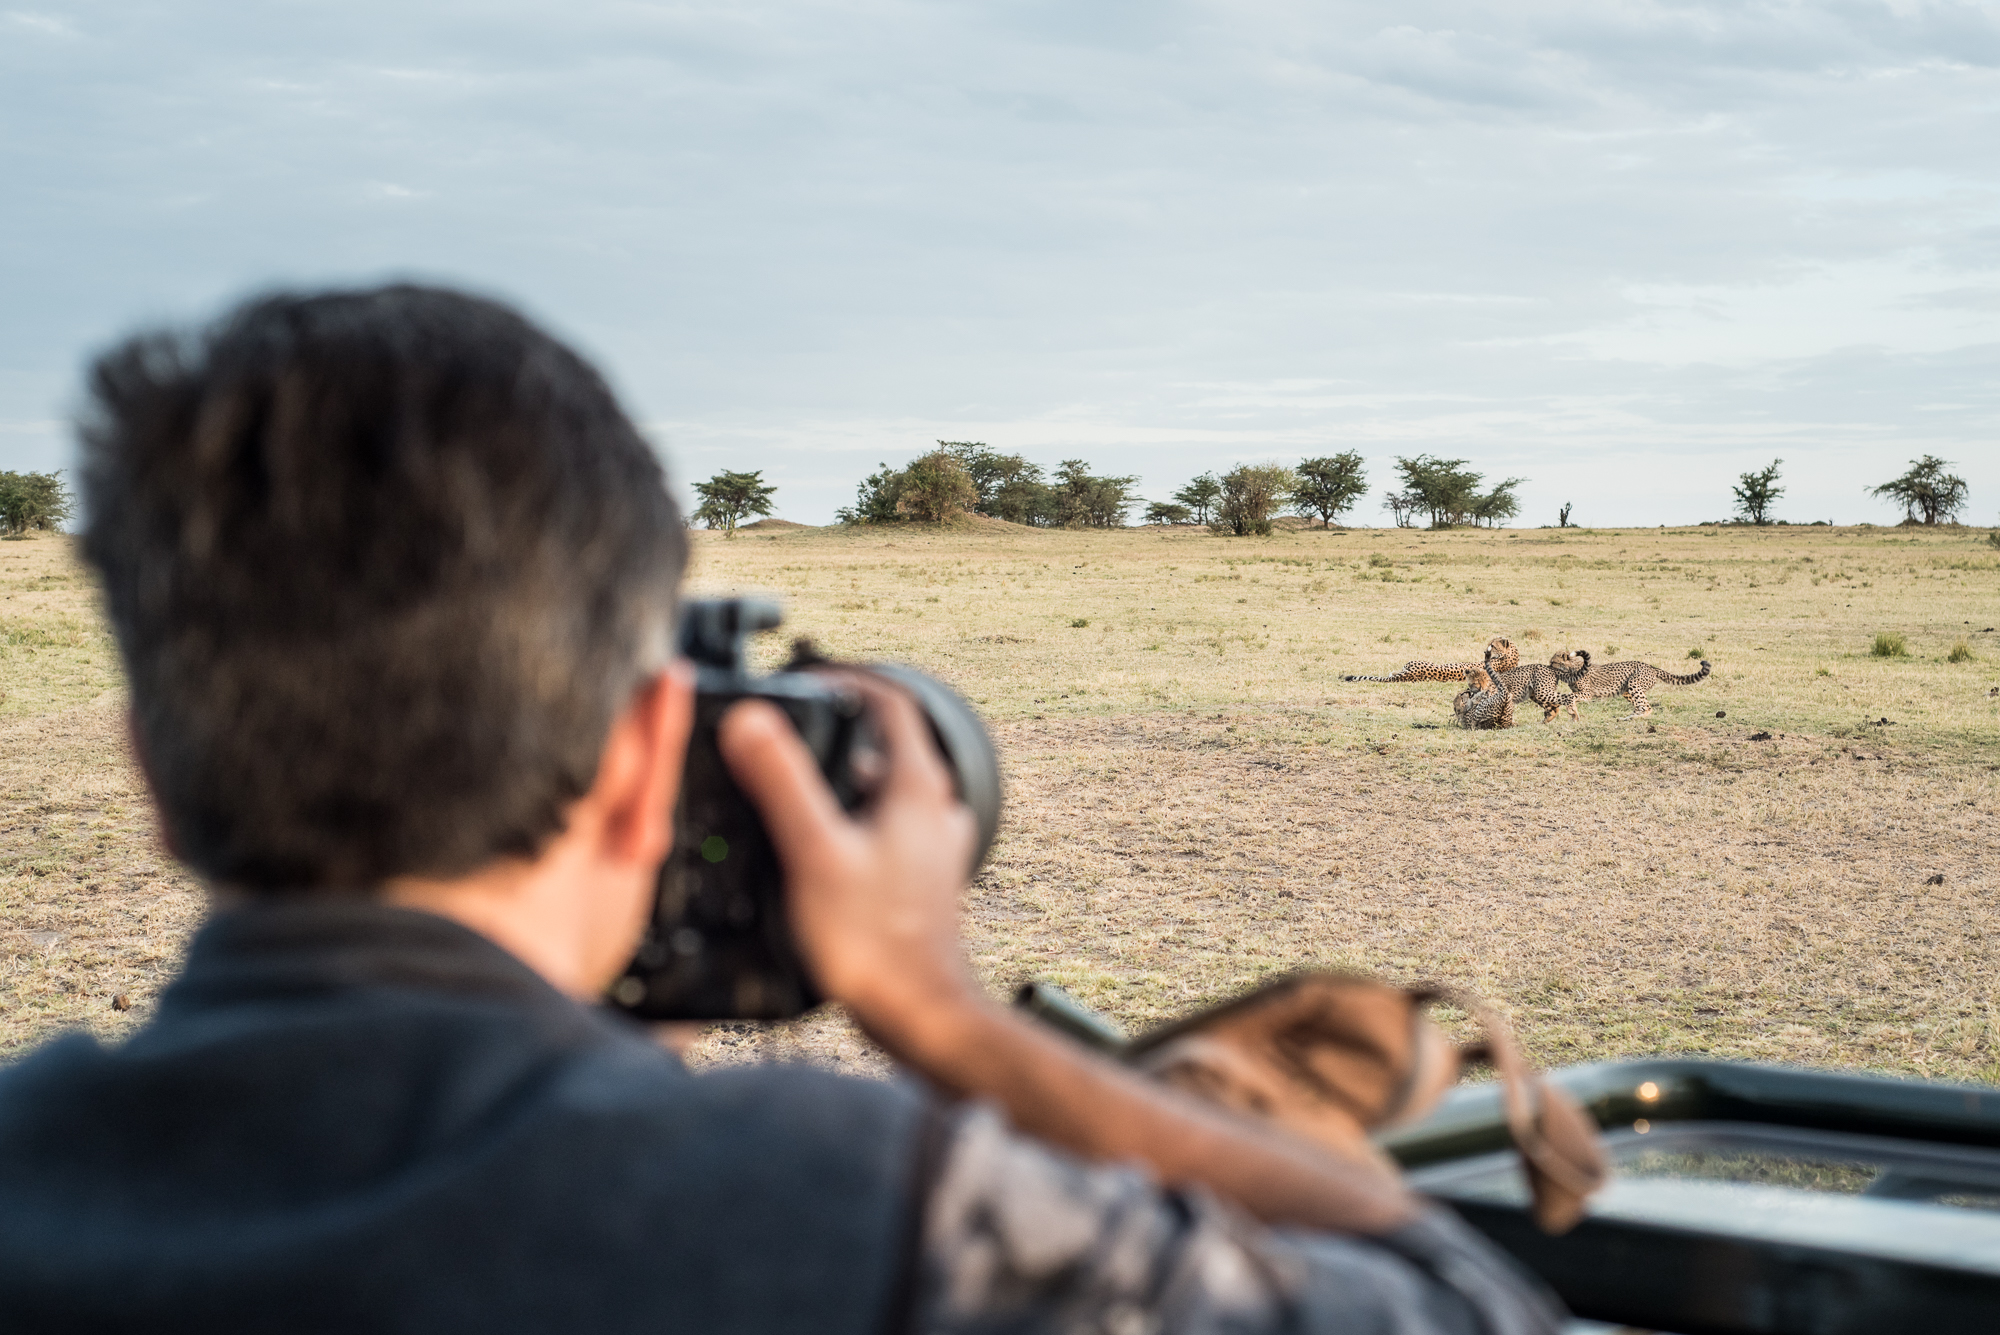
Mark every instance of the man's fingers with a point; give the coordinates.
(916, 769)
(778, 773)
(780, 776)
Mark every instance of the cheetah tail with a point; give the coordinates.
(1685, 679)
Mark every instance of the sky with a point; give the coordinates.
(1626, 251)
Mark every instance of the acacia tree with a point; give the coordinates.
(1444, 487)
(33, 501)
(1200, 496)
(727, 497)
(1019, 494)
(1251, 494)
(1758, 493)
(1087, 501)
(1927, 493)
(1498, 504)
(1010, 487)
(1329, 485)
(937, 488)
(1166, 512)
(1450, 493)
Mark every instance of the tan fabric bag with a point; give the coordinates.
(1335, 1056)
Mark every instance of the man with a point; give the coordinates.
(392, 577)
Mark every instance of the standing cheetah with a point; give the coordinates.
(1543, 683)
(1631, 679)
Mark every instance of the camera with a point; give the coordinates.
(719, 946)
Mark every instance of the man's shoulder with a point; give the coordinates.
(807, 1108)
(741, 1198)
(73, 1057)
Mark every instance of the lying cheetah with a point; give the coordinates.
(1484, 703)
(1506, 657)
(1630, 679)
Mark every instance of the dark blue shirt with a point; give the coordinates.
(349, 1117)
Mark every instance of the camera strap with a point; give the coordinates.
(1334, 1057)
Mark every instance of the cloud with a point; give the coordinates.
(1952, 299)
(46, 24)
(1592, 244)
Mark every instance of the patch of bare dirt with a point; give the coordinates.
(1783, 908)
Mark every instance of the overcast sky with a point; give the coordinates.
(1624, 250)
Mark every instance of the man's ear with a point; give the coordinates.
(639, 774)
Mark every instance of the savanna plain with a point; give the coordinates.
(1794, 860)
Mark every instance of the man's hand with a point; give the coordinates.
(873, 898)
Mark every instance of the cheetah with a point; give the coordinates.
(1630, 679)
(1506, 656)
(1484, 703)
(1542, 683)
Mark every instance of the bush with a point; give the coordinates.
(1250, 494)
(1697, 652)
(876, 499)
(937, 489)
(31, 501)
(1960, 652)
(1888, 644)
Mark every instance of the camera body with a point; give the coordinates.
(719, 945)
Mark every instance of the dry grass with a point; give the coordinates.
(53, 647)
(1762, 901)
(91, 908)
(1196, 800)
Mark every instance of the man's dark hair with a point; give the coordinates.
(383, 566)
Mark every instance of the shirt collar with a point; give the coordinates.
(303, 946)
